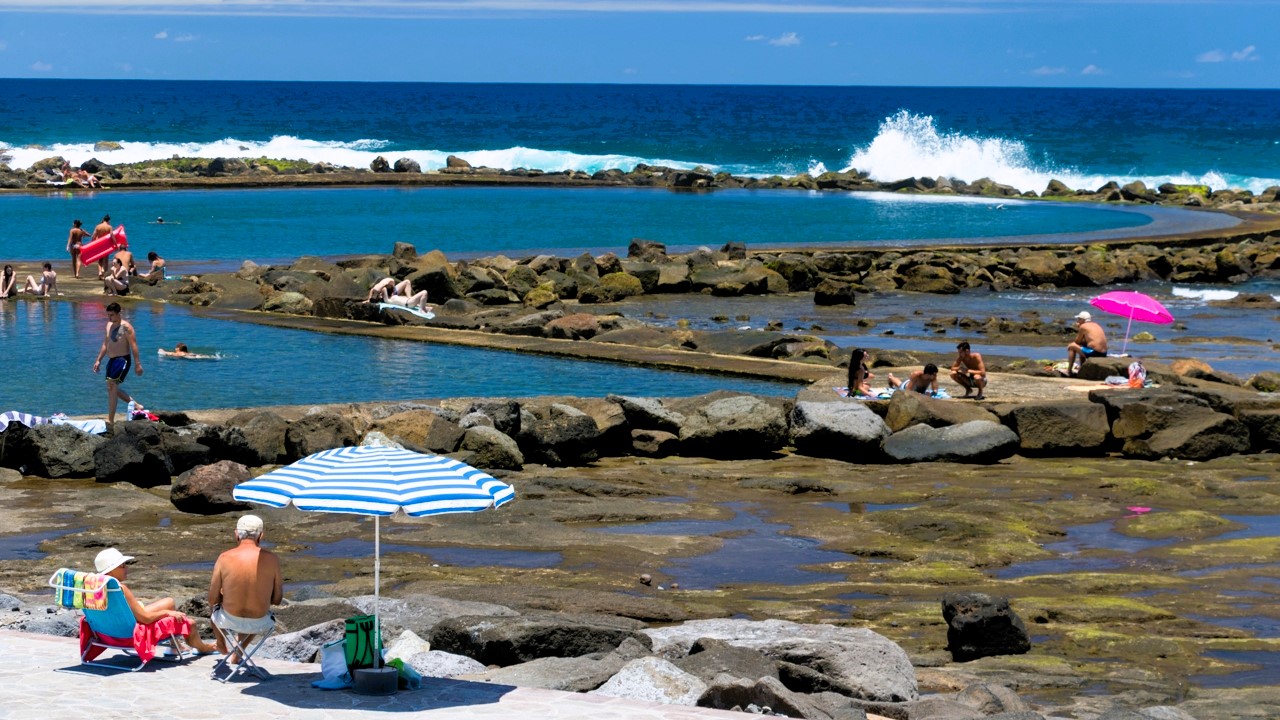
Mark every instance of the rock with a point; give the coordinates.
(646, 250)
(568, 674)
(1157, 423)
(507, 641)
(505, 414)
(654, 443)
(709, 658)
(107, 146)
(49, 451)
(303, 645)
(135, 454)
(1266, 381)
(302, 614)
(491, 449)
(991, 699)
(318, 431)
(290, 303)
(736, 426)
(611, 288)
(654, 680)
(404, 252)
(728, 693)
(419, 613)
(860, 662)
(913, 408)
(842, 430)
(578, 326)
(1264, 429)
(1059, 428)
(979, 625)
(206, 490)
(380, 165)
(264, 433)
(457, 163)
(407, 165)
(422, 429)
(406, 646)
(648, 413)
(439, 664)
(560, 435)
(975, 441)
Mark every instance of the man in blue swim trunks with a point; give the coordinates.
(1090, 341)
(120, 346)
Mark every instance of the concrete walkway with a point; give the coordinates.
(41, 677)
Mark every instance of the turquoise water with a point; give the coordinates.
(263, 365)
(281, 224)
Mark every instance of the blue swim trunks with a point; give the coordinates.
(1090, 352)
(118, 368)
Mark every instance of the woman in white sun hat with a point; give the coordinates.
(113, 563)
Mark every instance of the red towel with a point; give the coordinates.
(144, 640)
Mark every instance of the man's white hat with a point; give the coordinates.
(1084, 315)
(249, 524)
(109, 560)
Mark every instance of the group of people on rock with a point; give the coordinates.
(246, 582)
(387, 290)
(969, 371)
(117, 273)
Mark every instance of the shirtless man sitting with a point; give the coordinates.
(969, 371)
(246, 582)
(1090, 341)
(47, 286)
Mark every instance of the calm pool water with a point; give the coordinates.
(56, 343)
(234, 225)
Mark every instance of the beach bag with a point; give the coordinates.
(362, 642)
(333, 660)
(1137, 374)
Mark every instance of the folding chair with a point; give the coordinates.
(231, 628)
(107, 622)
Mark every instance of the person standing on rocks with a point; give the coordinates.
(969, 371)
(120, 346)
(1090, 341)
(75, 239)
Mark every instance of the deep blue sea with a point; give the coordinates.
(1019, 136)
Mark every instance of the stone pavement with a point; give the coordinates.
(41, 677)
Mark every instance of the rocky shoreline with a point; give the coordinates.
(181, 172)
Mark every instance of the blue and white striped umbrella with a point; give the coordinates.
(377, 480)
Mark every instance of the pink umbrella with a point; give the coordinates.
(1133, 305)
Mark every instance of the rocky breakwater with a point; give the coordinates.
(1193, 420)
(197, 172)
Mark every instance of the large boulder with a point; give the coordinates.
(436, 276)
(979, 625)
(735, 426)
(709, 658)
(1161, 423)
(423, 429)
(913, 408)
(264, 434)
(842, 430)
(505, 414)
(302, 646)
(1264, 429)
(727, 693)
(228, 443)
(49, 451)
(611, 288)
(490, 449)
(858, 662)
(559, 435)
(653, 679)
(318, 431)
(1058, 428)
(567, 674)
(206, 490)
(135, 453)
(978, 441)
(648, 413)
(507, 641)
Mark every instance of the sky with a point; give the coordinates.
(1030, 43)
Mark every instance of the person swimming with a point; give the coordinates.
(180, 351)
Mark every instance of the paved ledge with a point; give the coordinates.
(41, 677)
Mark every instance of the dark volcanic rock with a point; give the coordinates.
(316, 432)
(511, 640)
(735, 426)
(51, 451)
(206, 490)
(979, 625)
(843, 430)
(975, 441)
(135, 453)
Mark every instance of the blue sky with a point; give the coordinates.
(1045, 43)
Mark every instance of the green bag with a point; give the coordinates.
(363, 642)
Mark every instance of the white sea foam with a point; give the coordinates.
(356, 153)
(1205, 295)
(910, 145)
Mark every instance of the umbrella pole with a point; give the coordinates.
(1124, 349)
(377, 576)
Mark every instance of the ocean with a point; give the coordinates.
(1018, 136)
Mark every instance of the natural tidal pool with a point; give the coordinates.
(280, 224)
(262, 366)
(754, 550)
